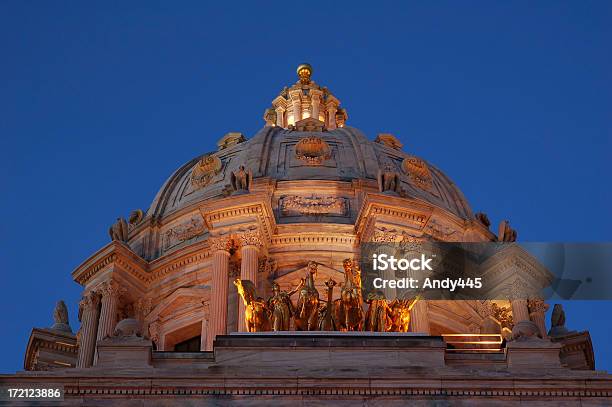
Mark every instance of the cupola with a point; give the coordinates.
(305, 105)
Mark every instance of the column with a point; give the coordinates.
(204, 333)
(219, 285)
(331, 116)
(296, 105)
(280, 116)
(89, 313)
(419, 318)
(315, 99)
(537, 313)
(110, 292)
(250, 242)
(520, 311)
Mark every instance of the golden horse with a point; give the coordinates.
(307, 309)
(400, 314)
(256, 312)
(348, 309)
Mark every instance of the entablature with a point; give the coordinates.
(114, 258)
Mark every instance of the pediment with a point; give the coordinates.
(181, 299)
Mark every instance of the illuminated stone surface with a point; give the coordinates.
(306, 187)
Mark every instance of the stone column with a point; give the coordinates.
(520, 311)
(296, 105)
(219, 285)
(110, 293)
(250, 243)
(537, 313)
(331, 116)
(315, 100)
(280, 117)
(419, 317)
(89, 313)
(204, 334)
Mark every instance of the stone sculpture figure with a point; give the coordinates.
(506, 233)
(400, 314)
(326, 320)
(241, 180)
(136, 217)
(256, 312)
(378, 318)
(281, 306)
(557, 322)
(483, 218)
(388, 180)
(308, 302)
(60, 317)
(348, 311)
(270, 117)
(119, 230)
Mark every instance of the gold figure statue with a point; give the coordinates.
(256, 312)
(348, 309)
(282, 307)
(308, 302)
(326, 319)
(379, 315)
(400, 314)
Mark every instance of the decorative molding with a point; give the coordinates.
(230, 140)
(418, 173)
(251, 237)
(115, 253)
(111, 288)
(388, 140)
(438, 230)
(90, 300)
(384, 235)
(550, 388)
(182, 232)
(294, 205)
(313, 238)
(537, 306)
(221, 243)
(205, 170)
(312, 150)
(267, 265)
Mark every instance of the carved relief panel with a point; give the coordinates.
(182, 230)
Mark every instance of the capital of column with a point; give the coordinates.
(112, 289)
(90, 300)
(143, 307)
(537, 306)
(221, 243)
(250, 238)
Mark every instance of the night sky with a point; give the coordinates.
(99, 104)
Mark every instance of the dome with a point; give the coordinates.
(279, 154)
(314, 167)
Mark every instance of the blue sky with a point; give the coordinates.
(99, 103)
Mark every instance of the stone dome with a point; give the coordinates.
(306, 138)
(279, 154)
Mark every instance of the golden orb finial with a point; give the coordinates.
(304, 71)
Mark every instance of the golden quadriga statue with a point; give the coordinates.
(311, 313)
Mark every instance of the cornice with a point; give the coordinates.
(410, 212)
(189, 385)
(167, 264)
(114, 252)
